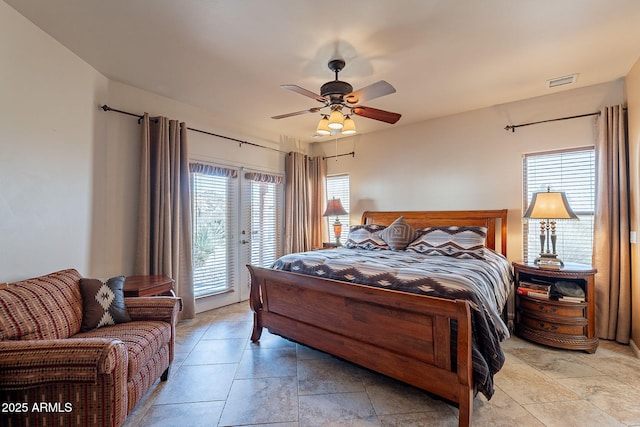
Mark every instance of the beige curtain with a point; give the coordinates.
(304, 202)
(164, 213)
(611, 232)
(317, 181)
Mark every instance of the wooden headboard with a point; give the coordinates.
(422, 219)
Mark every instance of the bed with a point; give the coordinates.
(422, 340)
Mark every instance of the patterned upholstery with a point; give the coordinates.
(101, 374)
(458, 242)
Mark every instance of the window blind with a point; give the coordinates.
(214, 203)
(571, 171)
(338, 187)
(266, 200)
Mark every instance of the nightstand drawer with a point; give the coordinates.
(558, 328)
(555, 308)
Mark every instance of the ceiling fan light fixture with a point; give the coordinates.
(336, 120)
(349, 126)
(323, 126)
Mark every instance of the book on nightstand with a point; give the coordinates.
(534, 290)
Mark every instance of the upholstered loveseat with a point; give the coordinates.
(52, 374)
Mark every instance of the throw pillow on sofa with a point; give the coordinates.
(102, 302)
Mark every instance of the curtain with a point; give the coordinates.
(611, 230)
(304, 202)
(164, 213)
(296, 219)
(317, 181)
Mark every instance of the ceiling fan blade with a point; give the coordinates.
(374, 113)
(305, 92)
(297, 113)
(374, 90)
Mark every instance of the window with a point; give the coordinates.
(265, 227)
(571, 171)
(214, 218)
(338, 187)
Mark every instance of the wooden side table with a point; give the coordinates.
(561, 324)
(145, 286)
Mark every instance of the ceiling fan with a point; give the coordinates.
(338, 95)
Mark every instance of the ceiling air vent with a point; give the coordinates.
(561, 81)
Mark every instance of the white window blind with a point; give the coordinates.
(214, 207)
(571, 171)
(338, 187)
(266, 200)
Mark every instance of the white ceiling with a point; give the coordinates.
(442, 56)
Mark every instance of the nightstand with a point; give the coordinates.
(144, 286)
(561, 324)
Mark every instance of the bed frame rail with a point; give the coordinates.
(406, 337)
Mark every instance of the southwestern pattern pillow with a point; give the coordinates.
(102, 303)
(458, 242)
(399, 234)
(366, 237)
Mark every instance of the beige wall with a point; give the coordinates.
(68, 170)
(632, 88)
(48, 124)
(465, 161)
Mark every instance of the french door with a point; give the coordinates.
(237, 220)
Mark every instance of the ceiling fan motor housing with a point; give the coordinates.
(335, 90)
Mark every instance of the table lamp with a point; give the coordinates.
(547, 207)
(334, 208)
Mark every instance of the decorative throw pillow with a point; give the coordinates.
(366, 237)
(398, 235)
(458, 242)
(102, 302)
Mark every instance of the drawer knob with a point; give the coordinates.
(547, 309)
(547, 327)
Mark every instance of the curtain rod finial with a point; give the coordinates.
(105, 107)
(510, 128)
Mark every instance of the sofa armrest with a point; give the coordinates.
(31, 363)
(156, 308)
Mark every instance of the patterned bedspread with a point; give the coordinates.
(484, 283)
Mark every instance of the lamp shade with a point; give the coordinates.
(336, 120)
(323, 126)
(349, 126)
(550, 205)
(334, 208)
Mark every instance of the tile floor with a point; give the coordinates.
(219, 378)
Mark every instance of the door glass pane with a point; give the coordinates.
(266, 223)
(214, 225)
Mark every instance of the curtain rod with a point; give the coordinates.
(140, 117)
(352, 154)
(512, 128)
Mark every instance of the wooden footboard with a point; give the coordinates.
(407, 337)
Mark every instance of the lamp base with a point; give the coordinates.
(549, 260)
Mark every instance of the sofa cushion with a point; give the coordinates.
(47, 307)
(102, 302)
(142, 338)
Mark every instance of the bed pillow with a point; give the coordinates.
(398, 235)
(458, 242)
(102, 303)
(366, 237)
